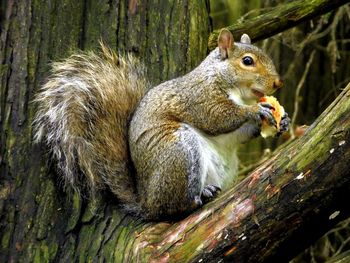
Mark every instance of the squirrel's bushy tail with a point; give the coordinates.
(83, 113)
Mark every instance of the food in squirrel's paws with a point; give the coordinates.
(277, 111)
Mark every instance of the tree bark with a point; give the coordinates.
(255, 221)
(38, 221)
(279, 19)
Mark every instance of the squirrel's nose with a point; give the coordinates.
(278, 83)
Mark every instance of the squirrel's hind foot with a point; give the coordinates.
(209, 193)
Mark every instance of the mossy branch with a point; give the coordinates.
(279, 19)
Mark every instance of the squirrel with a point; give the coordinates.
(162, 151)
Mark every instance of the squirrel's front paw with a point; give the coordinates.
(265, 113)
(209, 192)
(284, 124)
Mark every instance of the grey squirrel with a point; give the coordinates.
(165, 150)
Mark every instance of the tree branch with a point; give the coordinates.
(278, 210)
(279, 19)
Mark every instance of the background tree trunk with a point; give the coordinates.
(38, 221)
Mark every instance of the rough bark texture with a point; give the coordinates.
(279, 19)
(38, 221)
(258, 219)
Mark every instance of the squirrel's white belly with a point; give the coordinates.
(219, 160)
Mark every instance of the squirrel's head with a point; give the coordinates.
(257, 75)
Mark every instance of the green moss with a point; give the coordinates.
(111, 237)
(97, 239)
(46, 210)
(3, 70)
(53, 250)
(119, 251)
(76, 210)
(109, 249)
(84, 246)
(69, 249)
(100, 22)
(5, 240)
(41, 254)
(45, 253)
(93, 209)
(320, 150)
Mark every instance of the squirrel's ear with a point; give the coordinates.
(225, 42)
(245, 39)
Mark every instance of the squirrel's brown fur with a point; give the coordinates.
(180, 137)
(84, 109)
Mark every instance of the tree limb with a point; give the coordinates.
(282, 206)
(279, 19)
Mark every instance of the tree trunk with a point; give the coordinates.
(38, 221)
(255, 221)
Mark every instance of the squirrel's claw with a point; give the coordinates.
(197, 202)
(266, 113)
(284, 124)
(210, 191)
(267, 105)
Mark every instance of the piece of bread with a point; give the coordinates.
(277, 111)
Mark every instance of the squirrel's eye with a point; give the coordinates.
(248, 61)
